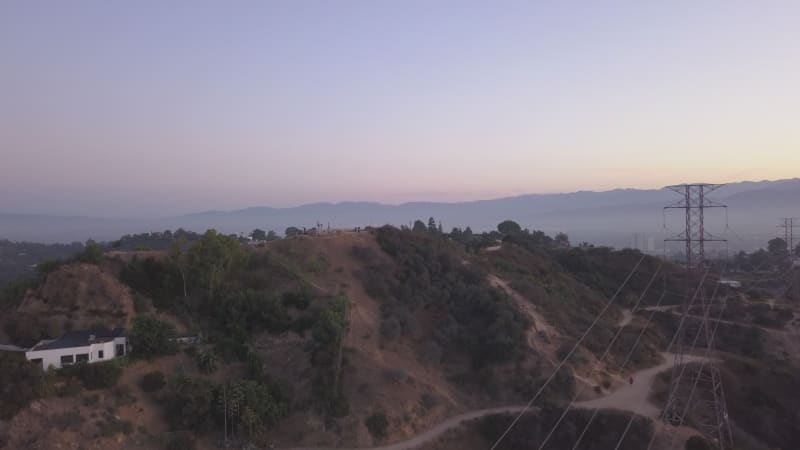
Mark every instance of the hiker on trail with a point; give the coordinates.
(631, 380)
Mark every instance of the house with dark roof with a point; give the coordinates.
(84, 346)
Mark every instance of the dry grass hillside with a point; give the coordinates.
(377, 376)
(433, 329)
(73, 296)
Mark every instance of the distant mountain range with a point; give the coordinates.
(620, 217)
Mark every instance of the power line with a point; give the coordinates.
(622, 369)
(599, 361)
(698, 377)
(669, 348)
(564, 360)
(718, 426)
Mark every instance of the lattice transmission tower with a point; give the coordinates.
(788, 227)
(696, 396)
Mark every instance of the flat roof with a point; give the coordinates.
(80, 338)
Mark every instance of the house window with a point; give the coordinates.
(82, 357)
(120, 349)
(37, 361)
(67, 360)
(99, 354)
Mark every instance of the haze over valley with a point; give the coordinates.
(416, 225)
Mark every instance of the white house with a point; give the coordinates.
(89, 346)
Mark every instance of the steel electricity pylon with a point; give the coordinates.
(696, 396)
(788, 225)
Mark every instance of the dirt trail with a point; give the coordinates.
(630, 397)
(627, 317)
(633, 397)
(539, 322)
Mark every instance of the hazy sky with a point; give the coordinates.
(158, 108)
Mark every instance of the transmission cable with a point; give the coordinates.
(679, 378)
(669, 348)
(622, 367)
(599, 361)
(564, 360)
(697, 376)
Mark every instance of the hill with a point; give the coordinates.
(344, 340)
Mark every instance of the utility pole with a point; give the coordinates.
(788, 225)
(700, 394)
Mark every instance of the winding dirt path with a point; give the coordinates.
(634, 396)
(629, 397)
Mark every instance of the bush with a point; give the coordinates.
(91, 254)
(152, 381)
(697, 443)
(94, 376)
(180, 441)
(430, 401)
(20, 383)
(207, 361)
(112, 426)
(151, 337)
(378, 425)
(428, 274)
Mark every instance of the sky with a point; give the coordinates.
(122, 109)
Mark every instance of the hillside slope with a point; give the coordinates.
(355, 339)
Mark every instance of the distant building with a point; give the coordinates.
(86, 346)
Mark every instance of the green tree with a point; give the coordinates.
(250, 403)
(562, 239)
(151, 337)
(697, 443)
(509, 227)
(467, 235)
(432, 226)
(207, 361)
(178, 256)
(20, 383)
(377, 424)
(419, 227)
(272, 236)
(777, 246)
(212, 257)
(292, 231)
(152, 381)
(258, 235)
(92, 253)
(188, 403)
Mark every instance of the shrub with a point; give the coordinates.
(68, 420)
(94, 376)
(697, 443)
(152, 381)
(112, 426)
(91, 254)
(151, 337)
(20, 383)
(377, 424)
(430, 401)
(180, 441)
(207, 361)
